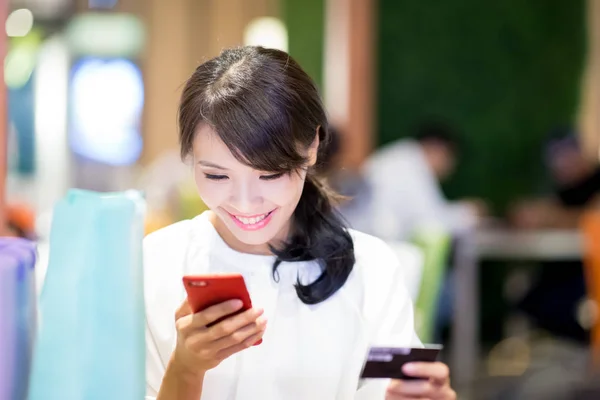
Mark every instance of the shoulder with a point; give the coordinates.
(372, 250)
(164, 253)
(168, 238)
(391, 151)
(394, 158)
(166, 245)
(378, 281)
(376, 264)
(167, 250)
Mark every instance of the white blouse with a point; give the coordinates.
(311, 352)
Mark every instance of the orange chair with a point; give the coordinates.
(591, 234)
(21, 218)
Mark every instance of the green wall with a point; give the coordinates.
(305, 21)
(503, 72)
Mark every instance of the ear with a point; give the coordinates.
(314, 149)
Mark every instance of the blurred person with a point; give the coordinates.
(399, 193)
(576, 187)
(554, 300)
(253, 125)
(405, 180)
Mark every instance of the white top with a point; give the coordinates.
(406, 195)
(308, 351)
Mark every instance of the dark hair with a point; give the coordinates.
(266, 109)
(331, 151)
(559, 140)
(439, 132)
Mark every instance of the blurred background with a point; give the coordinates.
(466, 135)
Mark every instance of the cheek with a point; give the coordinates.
(212, 194)
(284, 191)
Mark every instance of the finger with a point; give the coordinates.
(241, 334)
(417, 388)
(446, 394)
(234, 323)
(216, 312)
(183, 317)
(404, 397)
(437, 371)
(397, 396)
(200, 340)
(249, 342)
(183, 310)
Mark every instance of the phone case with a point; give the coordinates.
(204, 291)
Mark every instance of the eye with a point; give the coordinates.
(271, 177)
(216, 177)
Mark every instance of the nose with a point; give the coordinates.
(246, 197)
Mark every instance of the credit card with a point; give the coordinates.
(387, 362)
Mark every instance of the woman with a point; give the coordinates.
(253, 125)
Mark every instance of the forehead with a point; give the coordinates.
(207, 144)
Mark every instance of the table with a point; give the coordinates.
(495, 244)
(542, 245)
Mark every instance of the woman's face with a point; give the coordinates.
(252, 208)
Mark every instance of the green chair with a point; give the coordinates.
(435, 245)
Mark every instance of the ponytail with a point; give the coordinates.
(318, 234)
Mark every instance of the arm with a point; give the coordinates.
(396, 328)
(564, 218)
(548, 213)
(200, 349)
(172, 382)
(178, 383)
(406, 199)
(434, 377)
(570, 217)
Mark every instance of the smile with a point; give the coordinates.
(254, 222)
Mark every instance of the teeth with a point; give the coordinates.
(251, 221)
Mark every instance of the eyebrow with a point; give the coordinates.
(211, 165)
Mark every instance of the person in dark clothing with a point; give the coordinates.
(553, 301)
(576, 181)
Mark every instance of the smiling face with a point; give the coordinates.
(251, 208)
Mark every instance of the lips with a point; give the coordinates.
(254, 222)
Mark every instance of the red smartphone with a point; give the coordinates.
(204, 291)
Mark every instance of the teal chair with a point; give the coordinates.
(435, 245)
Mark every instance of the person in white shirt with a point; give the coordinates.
(404, 179)
(253, 126)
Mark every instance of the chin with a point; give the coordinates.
(253, 239)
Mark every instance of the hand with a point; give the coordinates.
(435, 383)
(479, 208)
(200, 348)
(531, 214)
